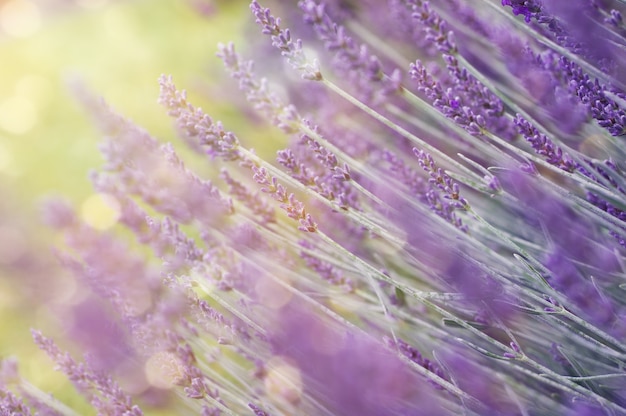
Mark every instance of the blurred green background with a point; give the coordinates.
(48, 144)
(118, 49)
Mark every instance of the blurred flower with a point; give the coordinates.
(442, 231)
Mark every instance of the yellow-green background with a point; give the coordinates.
(48, 144)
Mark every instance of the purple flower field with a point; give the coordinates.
(441, 232)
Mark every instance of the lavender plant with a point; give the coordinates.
(442, 232)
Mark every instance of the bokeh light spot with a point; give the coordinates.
(8, 297)
(272, 294)
(163, 370)
(12, 244)
(91, 4)
(7, 161)
(283, 382)
(17, 115)
(35, 87)
(20, 18)
(66, 291)
(100, 211)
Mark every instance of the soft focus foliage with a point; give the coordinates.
(433, 222)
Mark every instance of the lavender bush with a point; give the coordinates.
(443, 233)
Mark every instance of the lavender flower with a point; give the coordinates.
(103, 392)
(448, 245)
(11, 405)
(353, 59)
(282, 40)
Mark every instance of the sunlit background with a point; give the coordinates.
(48, 144)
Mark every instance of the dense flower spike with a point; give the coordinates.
(593, 95)
(256, 204)
(294, 208)
(282, 40)
(446, 101)
(196, 124)
(450, 245)
(544, 146)
(436, 28)
(528, 8)
(353, 59)
(12, 405)
(441, 184)
(103, 392)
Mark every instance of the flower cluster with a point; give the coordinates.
(441, 233)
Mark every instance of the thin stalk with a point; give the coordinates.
(358, 217)
(607, 339)
(419, 295)
(47, 399)
(570, 385)
(353, 163)
(506, 239)
(211, 293)
(549, 43)
(393, 126)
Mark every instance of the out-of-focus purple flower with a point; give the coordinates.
(449, 245)
(579, 23)
(573, 252)
(353, 59)
(527, 8)
(103, 392)
(12, 405)
(345, 371)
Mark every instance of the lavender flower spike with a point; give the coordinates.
(294, 208)
(281, 39)
(196, 123)
(482, 272)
